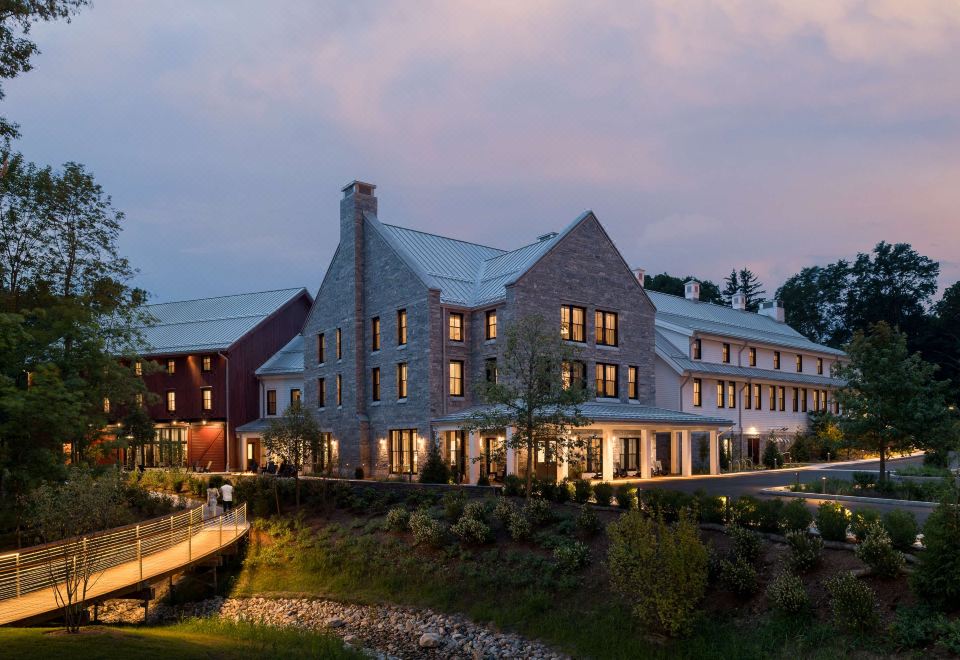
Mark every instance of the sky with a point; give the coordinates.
(705, 135)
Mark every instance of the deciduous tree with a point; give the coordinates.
(290, 438)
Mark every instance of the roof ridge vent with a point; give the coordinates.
(547, 236)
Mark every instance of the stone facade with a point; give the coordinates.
(368, 278)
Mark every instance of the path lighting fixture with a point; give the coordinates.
(823, 485)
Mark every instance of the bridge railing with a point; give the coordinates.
(44, 566)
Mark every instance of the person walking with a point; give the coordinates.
(226, 494)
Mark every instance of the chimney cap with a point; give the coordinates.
(739, 301)
(358, 187)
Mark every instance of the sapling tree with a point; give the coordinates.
(291, 437)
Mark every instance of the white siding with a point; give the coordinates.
(283, 385)
(668, 386)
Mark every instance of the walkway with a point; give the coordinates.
(121, 560)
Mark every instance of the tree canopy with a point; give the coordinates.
(666, 283)
(746, 282)
(291, 438)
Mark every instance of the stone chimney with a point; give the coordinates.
(691, 290)
(773, 309)
(738, 301)
(640, 273)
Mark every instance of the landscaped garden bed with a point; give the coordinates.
(866, 484)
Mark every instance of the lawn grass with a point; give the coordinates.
(209, 639)
(516, 589)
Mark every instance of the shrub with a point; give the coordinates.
(471, 530)
(796, 516)
(877, 552)
(832, 521)
(805, 551)
(538, 512)
(587, 521)
(864, 480)
(571, 556)
(747, 543)
(417, 498)
(711, 508)
(603, 493)
(503, 510)
(853, 603)
(398, 519)
(667, 504)
(482, 480)
(627, 496)
(950, 638)
(582, 490)
(738, 575)
(519, 526)
(769, 514)
(744, 512)
(563, 493)
(771, 456)
(861, 521)
(660, 568)
(215, 481)
(426, 530)
(787, 595)
(512, 485)
(902, 527)
(477, 510)
(453, 503)
(916, 627)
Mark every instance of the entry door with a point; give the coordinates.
(629, 454)
(456, 454)
(663, 454)
(491, 457)
(253, 454)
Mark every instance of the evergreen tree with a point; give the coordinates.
(666, 283)
(746, 282)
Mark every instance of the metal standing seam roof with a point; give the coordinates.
(209, 324)
(725, 321)
(287, 361)
(603, 411)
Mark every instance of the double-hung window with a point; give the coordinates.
(799, 363)
(321, 392)
(456, 326)
(820, 366)
(171, 401)
(321, 349)
(490, 369)
(339, 344)
(606, 380)
(726, 353)
(731, 394)
(490, 331)
(632, 392)
(697, 392)
(803, 399)
(206, 364)
(295, 395)
(456, 377)
(697, 349)
(721, 399)
(375, 384)
(375, 333)
(206, 398)
(572, 323)
(747, 397)
(403, 451)
(401, 327)
(753, 356)
(776, 359)
(339, 390)
(171, 366)
(271, 402)
(606, 328)
(782, 398)
(758, 397)
(796, 399)
(402, 380)
(575, 374)
(772, 393)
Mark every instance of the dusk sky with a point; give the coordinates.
(705, 135)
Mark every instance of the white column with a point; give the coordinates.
(607, 449)
(562, 467)
(714, 453)
(510, 452)
(645, 436)
(473, 452)
(674, 453)
(686, 451)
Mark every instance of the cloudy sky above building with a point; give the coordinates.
(705, 135)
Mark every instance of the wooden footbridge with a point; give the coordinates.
(121, 562)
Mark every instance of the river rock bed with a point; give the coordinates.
(381, 631)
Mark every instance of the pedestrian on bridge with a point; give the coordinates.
(226, 494)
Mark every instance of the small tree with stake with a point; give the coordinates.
(290, 438)
(534, 393)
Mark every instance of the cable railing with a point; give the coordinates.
(44, 566)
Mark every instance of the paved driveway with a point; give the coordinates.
(751, 483)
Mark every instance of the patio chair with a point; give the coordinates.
(657, 469)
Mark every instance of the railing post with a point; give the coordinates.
(18, 575)
(140, 559)
(190, 540)
(221, 532)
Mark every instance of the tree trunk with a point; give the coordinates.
(529, 467)
(296, 481)
(883, 465)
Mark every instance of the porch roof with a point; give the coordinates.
(613, 411)
(256, 426)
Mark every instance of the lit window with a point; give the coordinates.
(803, 399)
(491, 324)
(206, 399)
(799, 363)
(401, 327)
(402, 380)
(106, 405)
(456, 378)
(375, 334)
(295, 396)
(206, 363)
(375, 383)
(726, 353)
(339, 337)
(772, 394)
(271, 402)
(796, 399)
(731, 395)
(782, 398)
(820, 366)
(171, 401)
(758, 397)
(823, 400)
(606, 380)
(138, 368)
(747, 397)
(697, 392)
(171, 366)
(721, 386)
(697, 349)
(456, 326)
(632, 383)
(776, 359)
(339, 390)
(403, 451)
(606, 329)
(491, 370)
(321, 349)
(753, 357)
(572, 323)
(574, 374)
(321, 393)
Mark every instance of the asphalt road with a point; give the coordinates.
(751, 483)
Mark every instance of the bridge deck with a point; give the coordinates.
(114, 580)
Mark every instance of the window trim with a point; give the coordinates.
(321, 393)
(400, 440)
(568, 328)
(606, 367)
(602, 331)
(721, 394)
(171, 366)
(488, 326)
(402, 331)
(171, 398)
(339, 340)
(799, 363)
(339, 390)
(375, 334)
(697, 349)
(725, 353)
(299, 396)
(819, 366)
(732, 394)
(403, 384)
(487, 363)
(457, 391)
(571, 370)
(206, 364)
(321, 348)
(697, 393)
(271, 400)
(375, 384)
(752, 356)
(776, 359)
(451, 327)
(633, 387)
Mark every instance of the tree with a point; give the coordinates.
(532, 394)
(434, 470)
(813, 300)
(940, 339)
(890, 400)
(16, 49)
(290, 438)
(65, 513)
(665, 283)
(746, 282)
